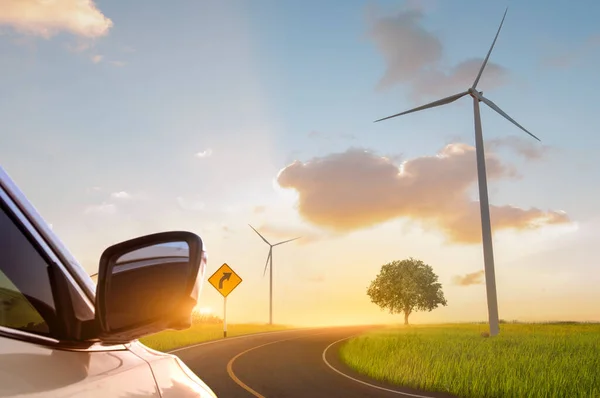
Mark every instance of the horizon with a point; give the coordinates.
(214, 315)
(223, 115)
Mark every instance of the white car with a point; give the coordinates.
(61, 335)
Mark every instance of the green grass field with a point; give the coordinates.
(171, 339)
(525, 360)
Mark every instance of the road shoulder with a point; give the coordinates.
(331, 357)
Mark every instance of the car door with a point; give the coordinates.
(36, 357)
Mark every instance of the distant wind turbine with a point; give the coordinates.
(486, 230)
(269, 263)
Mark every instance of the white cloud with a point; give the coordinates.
(80, 45)
(128, 49)
(414, 56)
(47, 18)
(573, 54)
(523, 146)
(93, 189)
(120, 195)
(104, 208)
(125, 200)
(99, 58)
(473, 278)
(435, 190)
(190, 204)
(204, 154)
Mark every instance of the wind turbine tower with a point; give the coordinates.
(269, 264)
(486, 230)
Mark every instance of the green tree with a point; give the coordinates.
(406, 286)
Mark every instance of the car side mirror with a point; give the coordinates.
(148, 284)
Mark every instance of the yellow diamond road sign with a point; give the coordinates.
(225, 280)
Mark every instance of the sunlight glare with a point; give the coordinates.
(205, 310)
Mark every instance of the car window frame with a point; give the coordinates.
(43, 248)
(52, 242)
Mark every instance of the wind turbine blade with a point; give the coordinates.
(489, 52)
(501, 112)
(286, 241)
(433, 104)
(263, 238)
(267, 263)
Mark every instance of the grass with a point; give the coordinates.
(525, 360)
(197, 333)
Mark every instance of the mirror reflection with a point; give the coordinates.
(148, 283)
(175, 252)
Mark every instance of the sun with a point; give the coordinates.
(205, 310)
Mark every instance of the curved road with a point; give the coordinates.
(293, 363)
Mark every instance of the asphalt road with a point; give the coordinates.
(296, 363)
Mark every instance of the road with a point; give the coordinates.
(293, 363)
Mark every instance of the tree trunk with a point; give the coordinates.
(406, 314)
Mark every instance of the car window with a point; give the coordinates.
(26, 300)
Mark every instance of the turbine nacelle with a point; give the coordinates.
(475, 94)
(271, 246)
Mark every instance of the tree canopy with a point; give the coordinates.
(406, 286)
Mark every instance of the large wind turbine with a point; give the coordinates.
(486, 231)
(269, 263)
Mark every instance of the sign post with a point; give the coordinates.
(225, 280)
(225, 316)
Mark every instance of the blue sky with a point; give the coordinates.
(182, 117)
